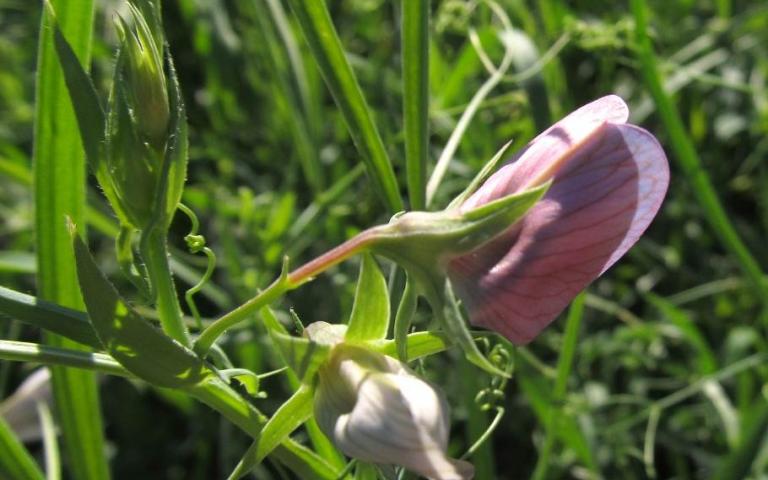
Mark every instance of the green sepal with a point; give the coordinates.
(176, 153)
(304, 355)
(403, 319)
(137, 345)
(370, 313)
(419, 344)
(421, 242)
(125, 260)
(454, 325)
(481, 176)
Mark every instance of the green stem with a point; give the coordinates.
(44, 354)
(285, 283)
(415, 24)
(564, 365)
(154, 250)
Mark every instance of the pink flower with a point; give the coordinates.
(608, 181)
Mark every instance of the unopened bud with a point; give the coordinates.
(377, 410)
(143, 74)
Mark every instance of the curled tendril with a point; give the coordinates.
(490, 398)
(196, 244)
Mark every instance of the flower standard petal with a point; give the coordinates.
(534, 164)
(609, 180)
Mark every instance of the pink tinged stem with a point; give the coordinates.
(282, 285)
(332, 257)
(607, 187)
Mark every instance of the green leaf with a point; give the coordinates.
(291, 414)
(370, 313)
(49, 316)
(59, 185)
(88, 110)
(324, 43)
(16, 462)
(141, 348)
(304, 462)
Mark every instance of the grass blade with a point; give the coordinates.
(556, 418)
(324, 43)
(415, 50)
(16, 462)
(687, 158)
(60, 192)
(738, 463)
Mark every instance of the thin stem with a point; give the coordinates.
(415, 51)
(564, 365)
(154, 250)
(44, 354)
(284, 284)
(458, 133)
(336, 255)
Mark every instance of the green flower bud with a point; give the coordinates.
(145, 83)
(377, 410)
(145, 144)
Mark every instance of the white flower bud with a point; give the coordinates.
(376, 410)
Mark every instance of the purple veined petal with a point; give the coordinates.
(533, 165)
(603, 197)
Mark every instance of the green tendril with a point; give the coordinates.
(196, 244)
(490, 397)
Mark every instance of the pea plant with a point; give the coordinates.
(490, 269)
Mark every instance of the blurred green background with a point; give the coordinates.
(669, 379)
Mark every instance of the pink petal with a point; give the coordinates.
(535, 163)
(606, 190)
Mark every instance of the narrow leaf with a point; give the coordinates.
(141, 348)
(59, 181)
(88, 110)
(403, 319)
(324, 43)
(63, 321)
(291, 414)
(370, 313)
(16, 462)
